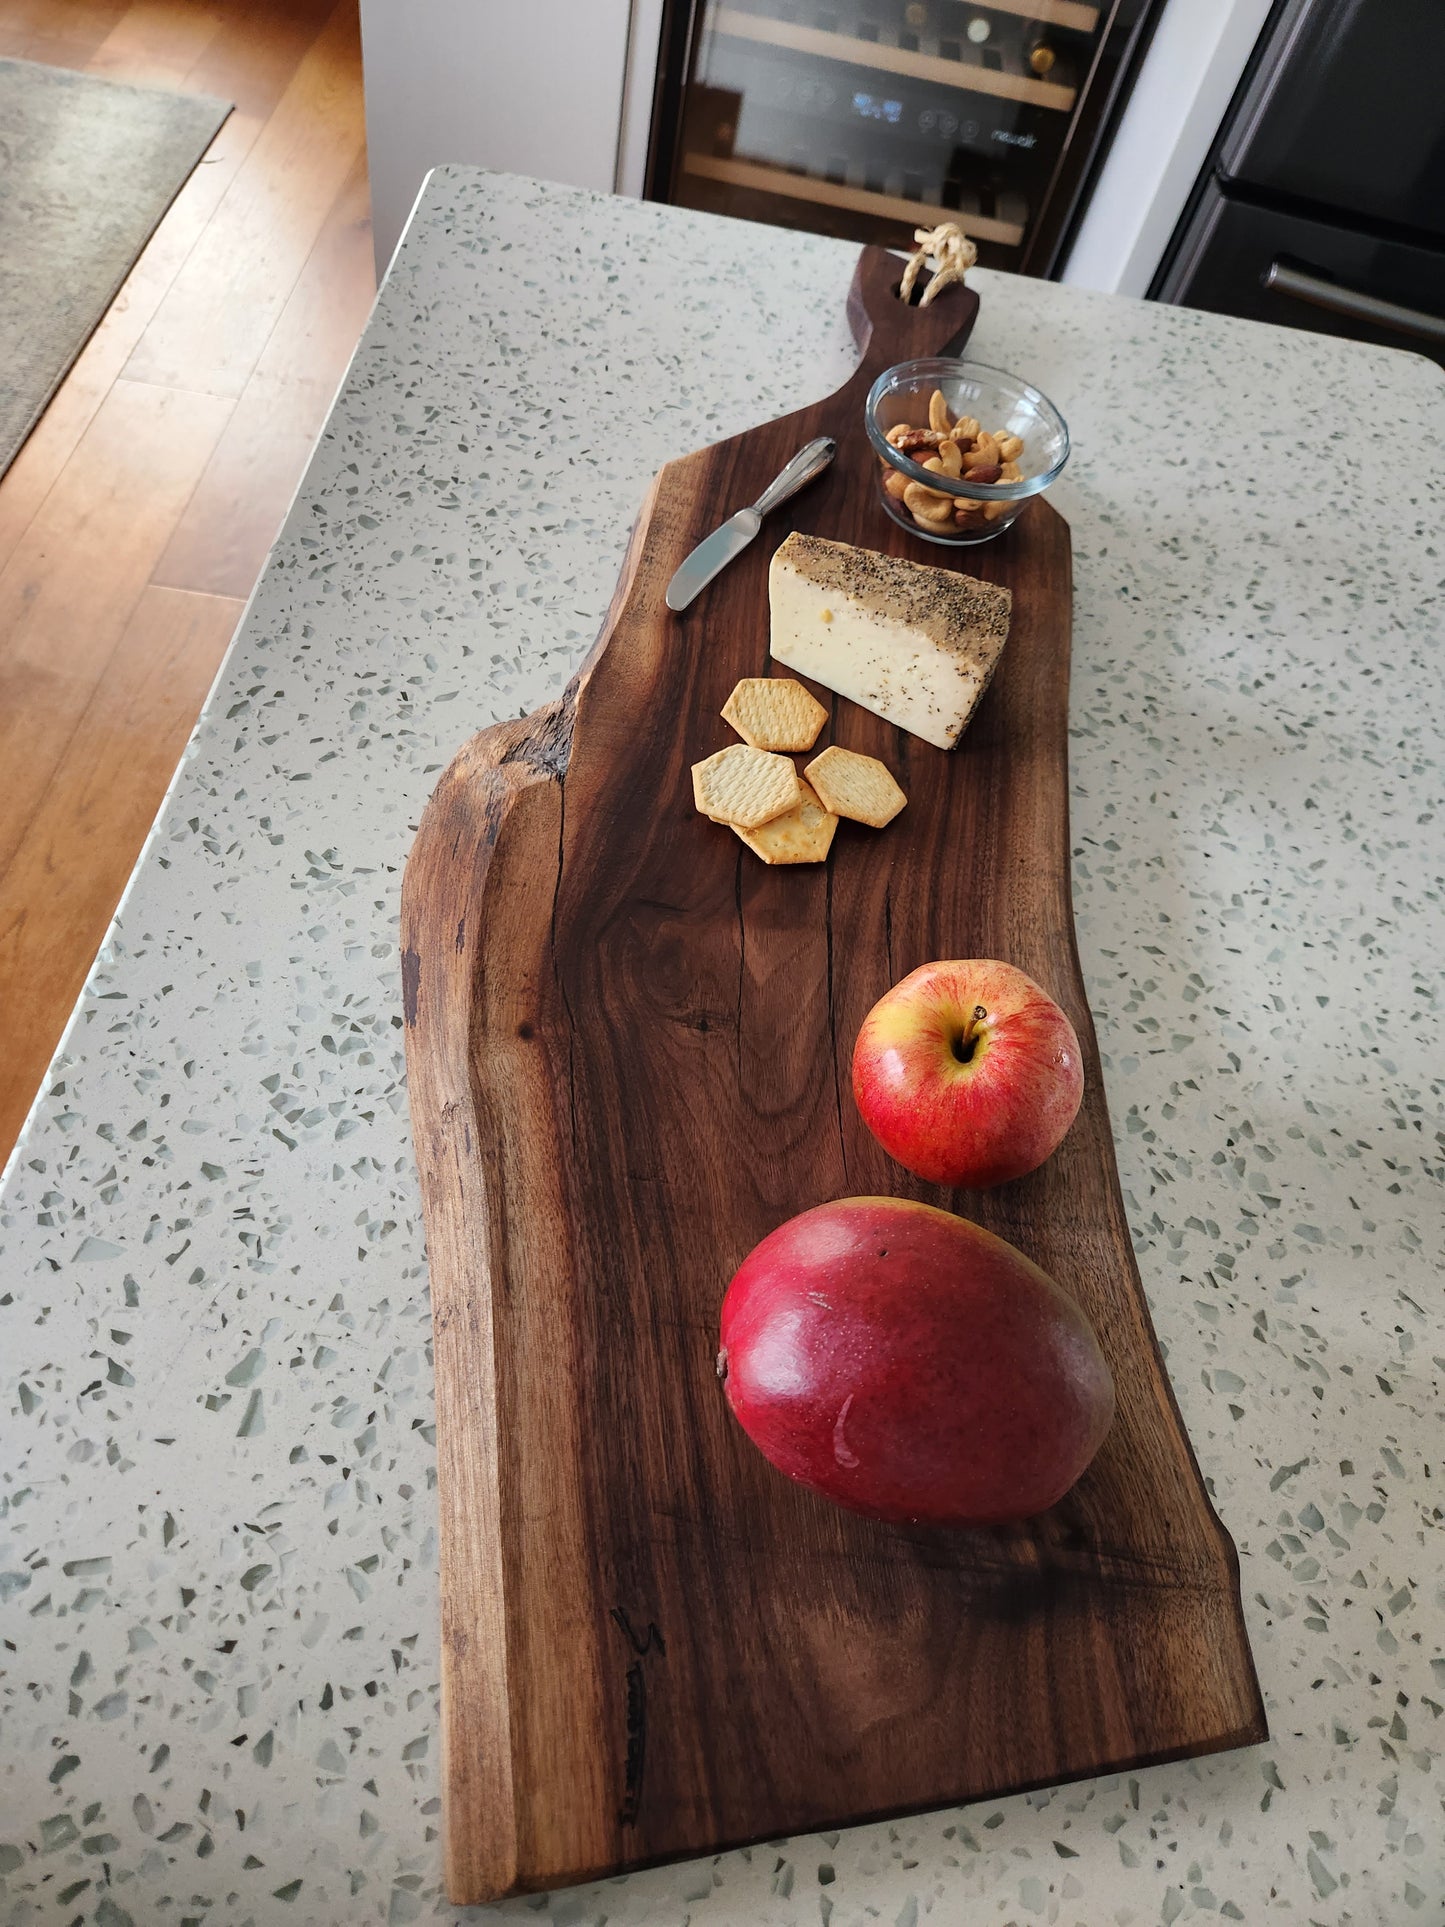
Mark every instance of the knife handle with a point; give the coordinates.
(809, 461)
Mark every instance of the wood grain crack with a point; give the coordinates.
(742, 962)
(556, 966)
(833, 1022)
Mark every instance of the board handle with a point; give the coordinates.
(887, 329)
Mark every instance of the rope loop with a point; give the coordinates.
(952, 255)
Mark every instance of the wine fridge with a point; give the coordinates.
(862, 118)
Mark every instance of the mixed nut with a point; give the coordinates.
(961, 450)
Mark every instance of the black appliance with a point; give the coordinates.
(1322, 205)
(867, 118)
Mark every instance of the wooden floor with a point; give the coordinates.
(137, 517)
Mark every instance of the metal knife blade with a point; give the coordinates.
(711, 556)
(715, 551)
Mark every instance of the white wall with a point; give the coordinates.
(1188, 76)
(644, 42)
(533, 86)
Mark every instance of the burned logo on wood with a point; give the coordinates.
(635, 1762)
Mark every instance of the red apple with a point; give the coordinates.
(968, 1073)
(912, 1366)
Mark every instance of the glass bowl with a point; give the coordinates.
(1000, 403)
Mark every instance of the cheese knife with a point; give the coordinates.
(715, 551)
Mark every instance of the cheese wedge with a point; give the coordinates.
(915, 645)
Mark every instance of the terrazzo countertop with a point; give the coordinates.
(218, 1592)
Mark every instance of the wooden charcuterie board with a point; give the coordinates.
(628, 1047)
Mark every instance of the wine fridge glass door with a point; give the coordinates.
(862, 118)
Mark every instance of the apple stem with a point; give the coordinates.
(967, 1039)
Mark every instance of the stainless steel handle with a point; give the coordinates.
(1359, 307)
(809, 461)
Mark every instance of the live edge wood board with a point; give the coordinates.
(628, 1047)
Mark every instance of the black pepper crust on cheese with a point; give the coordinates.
(954, 611)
